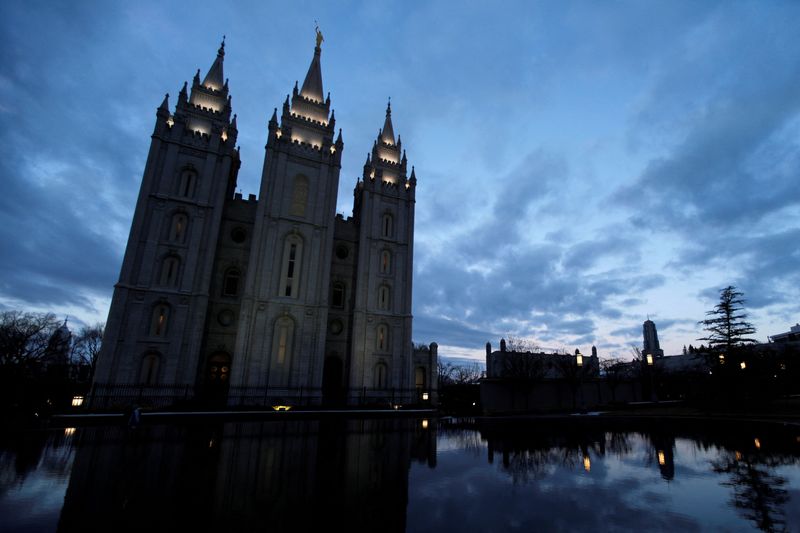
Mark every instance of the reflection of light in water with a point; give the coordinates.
(587, 463)
(68, 432)
(738, 455)
(757, 443)
(661, 459)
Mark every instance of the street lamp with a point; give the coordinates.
(649, 358)
(578, 358)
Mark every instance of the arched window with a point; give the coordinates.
(282, 339)
(387, 228)
(170, 268)
(290, 273)
(299, 196)
(160, 320)
(187, 183)
(419, 377)
(230, 284)
(148, 373)
(386, 262)
(177, 227)
(382, 338)
(337, 294)
(384, 297)
(381, 376)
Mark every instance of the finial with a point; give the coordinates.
(165, 103)
(389, 107)
(221, 51)
(320, 38)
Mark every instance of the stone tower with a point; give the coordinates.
(155, 324)
(650, 344)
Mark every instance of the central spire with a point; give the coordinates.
(312, 85)
(387, 133)
(214, 79)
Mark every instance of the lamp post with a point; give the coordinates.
(579, 365)
(650, 366)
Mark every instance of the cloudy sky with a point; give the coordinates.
(581, 164)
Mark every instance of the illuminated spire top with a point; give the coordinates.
(312, 85)
(215, 79)
(387, 133)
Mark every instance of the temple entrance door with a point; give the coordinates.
(218, 373)
(332, 389)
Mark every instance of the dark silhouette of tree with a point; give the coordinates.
(614, 372)
(86, 346)
(726, 324)
(521, 344)
(24, 337)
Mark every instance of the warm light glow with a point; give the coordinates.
(333, 149)
(579, 359)
(661, 459)
(77, 401)
(224, 135)
(68, 432)
(721, 359)
(278, 134)
(397, 406)
(425, 396)
(737, 455)
(587, 463)
(281, 407)
(649, 359)
(743, 365)
(170, 121)
(757, 443)
(424, 424)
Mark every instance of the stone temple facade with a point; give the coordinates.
(246, 301)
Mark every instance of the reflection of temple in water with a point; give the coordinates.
(256, 476)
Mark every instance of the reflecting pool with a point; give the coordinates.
(403, 474)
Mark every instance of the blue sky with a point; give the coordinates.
(581, 164)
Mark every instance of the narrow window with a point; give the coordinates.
(187, 183)
(290, 273)
(169, 271)
(177, 232)
(158, 325)
(386, 261)
(230, 285)
(384, 296)
(283, 337)
(282, 340)
(419, 377)
(380, 376)
(299, 196)
(386, 227)
(382, 340)
(148, 374)
(337, 295)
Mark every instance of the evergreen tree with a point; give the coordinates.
(726, 324)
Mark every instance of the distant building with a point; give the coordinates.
(790, 336)
(509, 364)
(651, 345)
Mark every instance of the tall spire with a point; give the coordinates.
(215, 79)
(312, 85)
(387, 133)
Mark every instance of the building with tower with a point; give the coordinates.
(650, 345)
(265, 300)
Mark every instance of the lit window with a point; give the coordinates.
(169, 271)
(382, 338)
(282, 343)
(386, 225)
(386, 262)
(337, 295)
(299, 196)
(158, 326)
(177, 231)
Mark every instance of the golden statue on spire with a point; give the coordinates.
(320, 38)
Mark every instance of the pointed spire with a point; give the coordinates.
(183, 95)
(339, 138)
(387, 133)
(233, 122)
(274, 116)
(165, 104)
(214, 79)
(312, 85)
(368, 160)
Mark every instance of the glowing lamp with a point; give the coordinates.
(68, 432)
(224, 135)
(281, 407)
(743, 365)
(425, 396)
(170, 121)
(649, 359)
(757, 444)
(425, 424)
(77, 401)
(578, 358)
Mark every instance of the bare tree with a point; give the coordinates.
(524, 366)
(614, 371)
(521, 344)
(466, 374)
(24, 337)
(87, 345)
